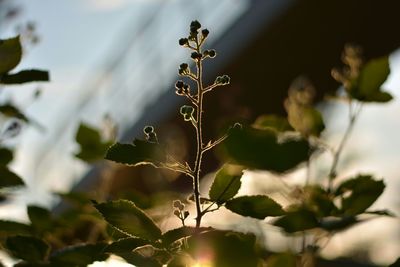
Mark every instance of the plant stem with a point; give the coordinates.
(352, 118)
(199, 139)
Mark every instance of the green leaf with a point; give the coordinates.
(6, 156)
(282, 260)
(14, 228)
(25, 76)
(367, 87)
(10, 54)
(9, 178)
(28, 248)
(125, 245)
(298, 220)
(40, 218)
(255, 206)
(226, 184)
(359, 193)
(92, 146)
(260, 149)
(129, 219)
(140, 152)
(173, 235)
(273, 122)
(79, 255)
(223, 249)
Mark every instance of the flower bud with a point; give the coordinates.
(148, 129)
(194, 26)
(205, 33)
(183, 41)
(179, 84)
(196, 55)
(177, 213)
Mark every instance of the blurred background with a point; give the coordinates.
(115, 62)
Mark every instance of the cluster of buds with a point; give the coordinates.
(182, 88)
(209, 53)
(187, 112)
(151, 135)
(222, 80)
(184, 69)
(194, 34)
(352, 58)
(179, 210)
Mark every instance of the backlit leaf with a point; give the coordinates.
(129, 219)
(368, 85)
(226, 183)
(178, 233)
(260, 149)
(92, 146)
(14, 228)
(254, 206)
(273, 122)
(359, 193)
(140, 152)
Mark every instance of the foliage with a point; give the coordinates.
(123, 228)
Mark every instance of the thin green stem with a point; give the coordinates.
(199, 139)
(353, 114)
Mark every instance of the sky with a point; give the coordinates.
(76, 39)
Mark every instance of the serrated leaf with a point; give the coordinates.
(28, 248)
(9, 178)
(255, 206)
(6, 156)
(260, 149)
(14, 228)
(361, 192)
(25, 76)
(79, 255)
(10, 54)
(226, 184)
(298, 220)
(92, 146)
(273, 122)
(140, 152)
(367, 87)
(129, 219)
(173, 235)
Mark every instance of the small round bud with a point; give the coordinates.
(194, 26)
(212, 53)
(148, 129)
(205, 33)
(179, 84)
(183, 41)
(185, 214)
(196, 55)
(237, 126)
(176, 203)
(187, 117)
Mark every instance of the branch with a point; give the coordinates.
(210, 144)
